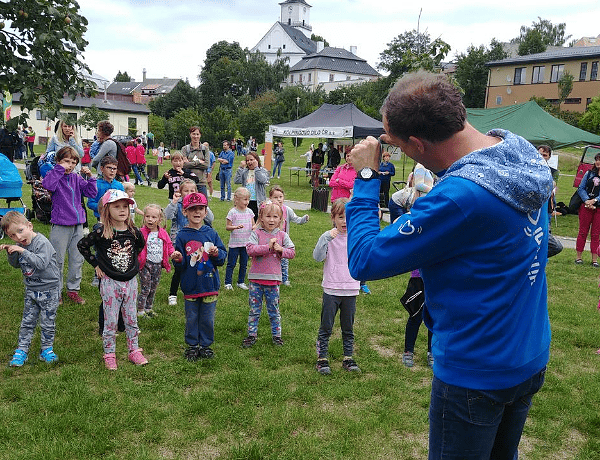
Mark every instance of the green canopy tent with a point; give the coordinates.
(530, 121)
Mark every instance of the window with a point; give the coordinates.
(498, 100)
(300, 78)
(519, 76)
(594, 71)
(538, 74)
(573, 100)
(331, 77)
(583, 71)
(284, 46)
(347, 77)
(269, 46)
(132, 126)
(72, 116)
(39, 115)
(557, 72)
(291, 78)
(309, 77)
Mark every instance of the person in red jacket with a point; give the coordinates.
(140, 160)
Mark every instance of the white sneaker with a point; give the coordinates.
(229, 287)
(287, 283)
(141, 314)
(172, 300)
(242, 286)
(86, 231)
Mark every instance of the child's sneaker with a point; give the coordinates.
(191, 354)
(172, 300)
(249, 341)
(364, 288)
(430, 359)
(323, 367)
(48, 356)
(350, 365)
(206, 353)
(242, 286)
(75, 297)
(287, 283)
(137, 358)
(277, 341)
(229, 287)
(141, 313)
(18, 359)
(110, 361)
(150, 313)
(408, 359)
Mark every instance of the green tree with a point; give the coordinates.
(41, 46)
(472, 73)
(531, 43)
(122, 77)
(410, 51)
(318, 38)
(157, 126)
(92, 116)
(552, 35)
(565, 86)
(178, 127)
(182, 96)
(590, 121)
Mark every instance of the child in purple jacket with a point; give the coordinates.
(68, 215)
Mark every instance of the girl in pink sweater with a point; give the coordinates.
(266, 247)
(339, 290)
(342, 181)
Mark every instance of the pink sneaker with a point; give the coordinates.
(137, 358)
(75, 297)
(110, 361)
(598, 351)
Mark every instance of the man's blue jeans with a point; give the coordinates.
(479, 424)
(199, 322)
(225, 178)
(277, 166)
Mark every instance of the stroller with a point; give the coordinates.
(41, 199)
(10, 187)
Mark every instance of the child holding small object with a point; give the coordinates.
(200, 252)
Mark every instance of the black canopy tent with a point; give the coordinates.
(331, 121)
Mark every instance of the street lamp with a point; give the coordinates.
(296, 143)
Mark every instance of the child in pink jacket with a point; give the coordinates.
(342, 181)
(267, 246)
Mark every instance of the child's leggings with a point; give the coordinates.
(119, 295)
(149, 278)
(285, 267)
(347, 308)
(271, 294)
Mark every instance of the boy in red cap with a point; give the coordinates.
(202, 251)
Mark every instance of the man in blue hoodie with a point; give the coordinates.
(480, 239)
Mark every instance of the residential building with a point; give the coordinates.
(331, 68)
(140, 92)
(516, 79)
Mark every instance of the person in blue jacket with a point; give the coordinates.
(480, 239)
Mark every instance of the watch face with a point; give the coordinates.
(366, 173)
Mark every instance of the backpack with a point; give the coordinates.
(123, 164)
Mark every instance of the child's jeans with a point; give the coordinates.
(271, 294)
(200, 321)
(149, 278)
(42, 305)
(232, 257)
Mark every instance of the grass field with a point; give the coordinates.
(269, 402)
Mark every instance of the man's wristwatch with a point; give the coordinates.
(367, 174)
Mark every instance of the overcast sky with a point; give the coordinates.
(170, 37)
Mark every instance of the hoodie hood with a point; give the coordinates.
(512, 170)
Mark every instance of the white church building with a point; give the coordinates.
(311, 64)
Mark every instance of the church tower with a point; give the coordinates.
(296, 13)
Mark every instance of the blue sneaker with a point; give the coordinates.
(48, 356)
(18, 358)
(364, 288)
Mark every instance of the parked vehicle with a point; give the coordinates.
(586, 162)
